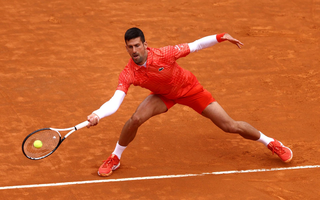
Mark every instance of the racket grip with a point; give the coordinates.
(81, 125)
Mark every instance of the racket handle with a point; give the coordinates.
(81, 125)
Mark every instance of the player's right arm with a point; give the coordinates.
(107, 108)
(111, 106)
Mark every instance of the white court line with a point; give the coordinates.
(158, 177)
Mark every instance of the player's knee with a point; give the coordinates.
(230, 127)
(136, 120)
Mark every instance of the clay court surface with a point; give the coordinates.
(60, 60)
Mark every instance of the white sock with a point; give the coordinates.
(118, 150)
(265, 139)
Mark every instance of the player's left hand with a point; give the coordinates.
(232, 40)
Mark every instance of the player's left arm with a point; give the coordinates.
(211, 40)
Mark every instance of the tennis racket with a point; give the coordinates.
(50, 138)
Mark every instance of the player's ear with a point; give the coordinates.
(126, 46)
(146, 44)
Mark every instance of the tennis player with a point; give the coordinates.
(156, 69)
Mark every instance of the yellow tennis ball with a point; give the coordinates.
(37, 144)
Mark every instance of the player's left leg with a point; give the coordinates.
(221, 119)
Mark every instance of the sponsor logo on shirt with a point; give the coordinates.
(177, 47)
(160, 69)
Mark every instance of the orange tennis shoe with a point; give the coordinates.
(282, 151)
(109, 165)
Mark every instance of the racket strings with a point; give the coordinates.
(50, 140)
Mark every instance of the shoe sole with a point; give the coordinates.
(113, 169)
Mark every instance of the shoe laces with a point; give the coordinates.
(107, 162)
(278, 148)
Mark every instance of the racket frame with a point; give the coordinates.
(71, 130)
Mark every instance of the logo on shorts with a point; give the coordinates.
(160, 69)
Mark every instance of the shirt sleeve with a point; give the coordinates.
(125, 79)
(181, 50)
(173, 53)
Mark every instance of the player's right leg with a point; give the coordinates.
(151, 106)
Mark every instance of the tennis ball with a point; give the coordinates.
(37, 144)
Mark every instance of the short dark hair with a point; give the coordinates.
(134, 33)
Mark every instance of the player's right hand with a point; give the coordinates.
(93, 120)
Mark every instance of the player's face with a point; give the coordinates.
(137, 50)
